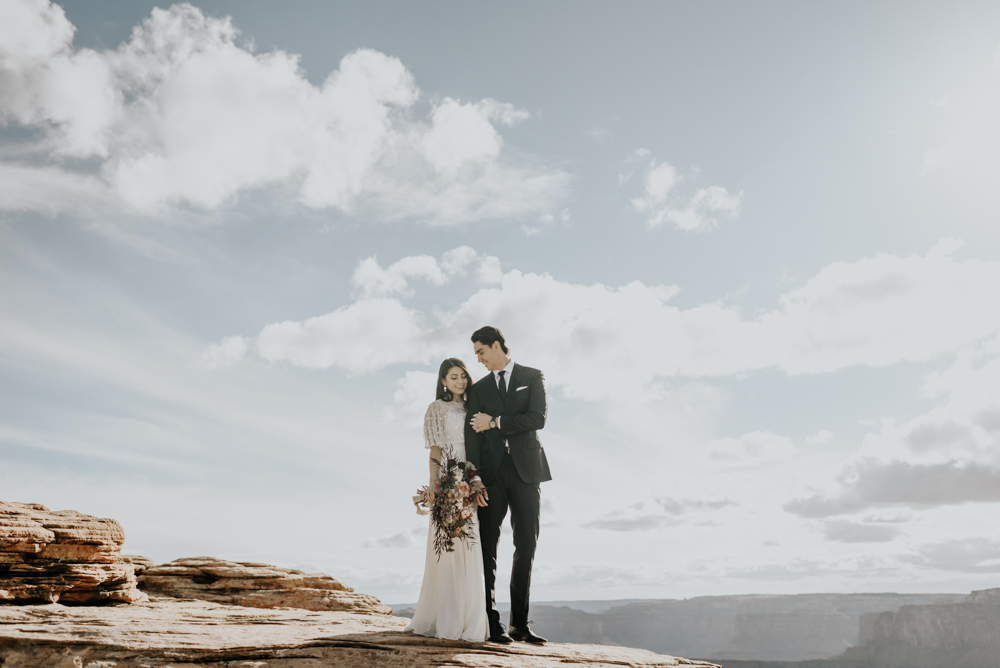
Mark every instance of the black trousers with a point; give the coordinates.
(524, 500)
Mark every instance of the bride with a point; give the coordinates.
(452, 600)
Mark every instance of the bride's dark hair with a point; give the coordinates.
(446, 366)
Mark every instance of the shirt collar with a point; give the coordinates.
(508, 369)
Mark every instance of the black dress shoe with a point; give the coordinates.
(501, 638)
(525, 634)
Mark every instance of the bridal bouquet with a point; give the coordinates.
(454, 502)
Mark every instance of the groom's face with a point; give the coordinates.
(491, 357)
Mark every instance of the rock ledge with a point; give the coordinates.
(255, 585)
(65, 556)
(184, 634)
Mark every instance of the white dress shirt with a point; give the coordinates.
(506, 376)
(506, 379)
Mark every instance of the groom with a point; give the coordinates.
(507, 408)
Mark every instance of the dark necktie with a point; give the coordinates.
(503, 386)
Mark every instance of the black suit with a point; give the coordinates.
(512, 463)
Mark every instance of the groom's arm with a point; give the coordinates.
(531, 419)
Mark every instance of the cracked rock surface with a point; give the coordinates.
(185, 633)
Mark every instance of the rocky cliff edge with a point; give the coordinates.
(186, 633)
(69, 599)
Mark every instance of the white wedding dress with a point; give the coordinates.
(453, 595)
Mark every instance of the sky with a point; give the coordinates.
(754, 247)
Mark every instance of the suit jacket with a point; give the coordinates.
(522, 413)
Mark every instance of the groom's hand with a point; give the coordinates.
(480, 422)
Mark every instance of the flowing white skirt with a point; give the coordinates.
(453, 594)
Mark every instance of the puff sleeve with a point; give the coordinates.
(434, 425)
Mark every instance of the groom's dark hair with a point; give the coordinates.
(487, 335)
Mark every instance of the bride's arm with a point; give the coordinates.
(433, 438)
(435, 466)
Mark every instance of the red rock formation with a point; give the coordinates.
(62, 556)
(255, 586)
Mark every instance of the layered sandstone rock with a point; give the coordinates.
(139, 563)
(62, 556)
(170, 632)
(255, 585)
(958, 635)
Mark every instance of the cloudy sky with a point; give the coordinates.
(753, 246)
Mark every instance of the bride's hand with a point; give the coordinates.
(481, 498)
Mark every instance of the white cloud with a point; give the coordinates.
(843, 531)
(183, 114)
(970, 555)
(615, 522)
(939, 159)
(591, 339)
(698, 214)
(751, 449)
(660, 180)
(670, 512)
(661, 203)
(819, 438)
(372, 281)
(401, 539)
(872, 484)
(51, 191)
(44, 82)
(456, 260)
(490, 272)
(227, 352)
(367, 335)
(462, 136)
(410, 397)
(945, 456)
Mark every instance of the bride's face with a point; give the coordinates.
(456, 381)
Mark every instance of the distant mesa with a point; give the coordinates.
(957, 635)
(964, 634)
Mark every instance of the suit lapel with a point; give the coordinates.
(515, 375)
(491, 388)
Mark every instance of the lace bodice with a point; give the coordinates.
(444, 426)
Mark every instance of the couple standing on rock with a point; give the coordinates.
(493, 425)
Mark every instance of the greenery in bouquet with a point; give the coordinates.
(454, 502)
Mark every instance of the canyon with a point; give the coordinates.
(70, 599)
